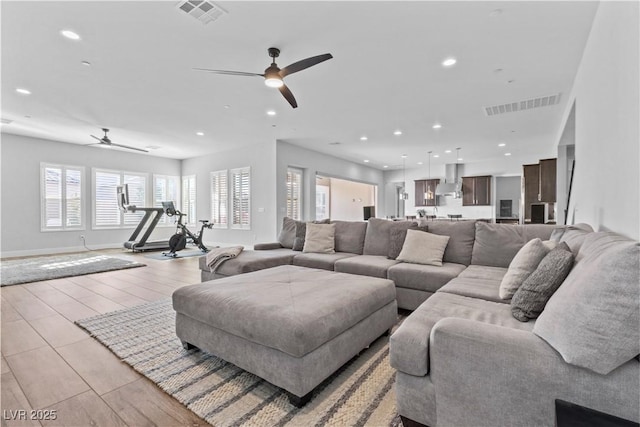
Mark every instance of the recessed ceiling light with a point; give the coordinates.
(447, 151)
(436, 155)
(363, 138)
(385, 166)
(226, 107)
(366, 161)
(271, 113)
(502, 144)
(507, 154)
(200, 133)
(460, 159)
(495, 12)
(449, 62)
(437, 126)
(420, 163)
(23, 91)
(497, 70)
(397, 132)
(70, 34)
(404, 156)
(86, 63)
(335, 143)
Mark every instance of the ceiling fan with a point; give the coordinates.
(106, 142)
(273, 75)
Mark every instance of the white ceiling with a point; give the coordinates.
(386, 74)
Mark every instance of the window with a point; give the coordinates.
(106, 211)
(189, 198)
(219, 199)
(61, 197)
(241, 198)
(294, 193)
(166, 189)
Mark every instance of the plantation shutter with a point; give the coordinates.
(73, 197)
(107, 212)
(189, 198)
(219, 199)
(165, 189)
(137, 186)
(241, 197)
(294, 193)
(61, 197)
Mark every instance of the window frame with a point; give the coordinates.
(299, 173)
(166, 221)
(63, 198)
(121, 221)
(216, 218)
(191, 219)
(232, 196)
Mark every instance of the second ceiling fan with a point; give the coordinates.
(273, 75)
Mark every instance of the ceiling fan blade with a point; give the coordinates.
(99, 139)
(284, 90)
(128, 147)
(303, 64)
(228, 72)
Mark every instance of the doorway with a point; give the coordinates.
(343, 199)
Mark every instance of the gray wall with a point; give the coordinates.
(606, 183)
(21, 158)
(509, 188)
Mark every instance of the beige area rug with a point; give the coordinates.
(360, 393)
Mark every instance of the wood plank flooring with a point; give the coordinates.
(48, 363)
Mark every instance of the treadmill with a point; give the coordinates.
(151, 216)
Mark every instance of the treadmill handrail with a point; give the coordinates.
(147, 214)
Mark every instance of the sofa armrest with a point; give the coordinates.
(267, 246)
(495, 376)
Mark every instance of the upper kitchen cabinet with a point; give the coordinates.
(547, 183)
(425, 194)
(476, 190)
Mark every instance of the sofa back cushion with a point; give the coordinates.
(497, 244)
(461, 237)
(377, 237)
(288, 233)
(350, 236)
(592, 319)
(574, 236)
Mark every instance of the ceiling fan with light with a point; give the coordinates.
(106, 142)
(273, 75)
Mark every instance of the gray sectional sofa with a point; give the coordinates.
(461, 357)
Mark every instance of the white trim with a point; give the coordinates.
(216, 223)
(231, 195)
(83, 199)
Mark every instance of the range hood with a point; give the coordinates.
(452, 185)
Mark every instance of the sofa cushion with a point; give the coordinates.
(428, 278)
(600, 330)
(376, 240)
(574, 237)
(350, 236)
(523, 264)
(249, 261)
(320, 238)
(530, 298)
(462, 235)
(366, 265)
(473, 287)
(288, 233)
(497, 244)
(397, 236)
(322, 261)
(423, 248)
(409, 344)
(484, 272)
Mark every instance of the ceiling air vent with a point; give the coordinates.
(527, 104)
(6, 121)
(204, 11)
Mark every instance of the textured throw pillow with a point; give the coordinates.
(530, 298)
(288, 233)
(423, 248)
(523, 264)
(320, 238)
(397, 236)
(592, 319)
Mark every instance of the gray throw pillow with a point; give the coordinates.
(530, 298)
(288, 233)
(320, 238)
(301, 231)
(397, 236)
(423, 248)
(522, 265)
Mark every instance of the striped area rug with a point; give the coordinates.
(360, 394)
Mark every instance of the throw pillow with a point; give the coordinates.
(523, 264)
(301, 231)
(423, 248)
(320, 238)
(288, 233)
(530, 298)
(397, 236)
(592, 318)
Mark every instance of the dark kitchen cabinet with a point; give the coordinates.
(531, 177)
(476, 190)
(423, 186)
(539, 186)
(548, 180)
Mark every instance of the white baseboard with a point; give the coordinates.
(57, 251)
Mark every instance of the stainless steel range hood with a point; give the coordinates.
(452, 186)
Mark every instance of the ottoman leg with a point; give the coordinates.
(187, 346)
(298, 401)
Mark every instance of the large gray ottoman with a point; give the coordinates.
(293, 326)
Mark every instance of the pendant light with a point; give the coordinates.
(428, 195)
(404, 195)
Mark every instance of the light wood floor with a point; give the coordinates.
(49, 363)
